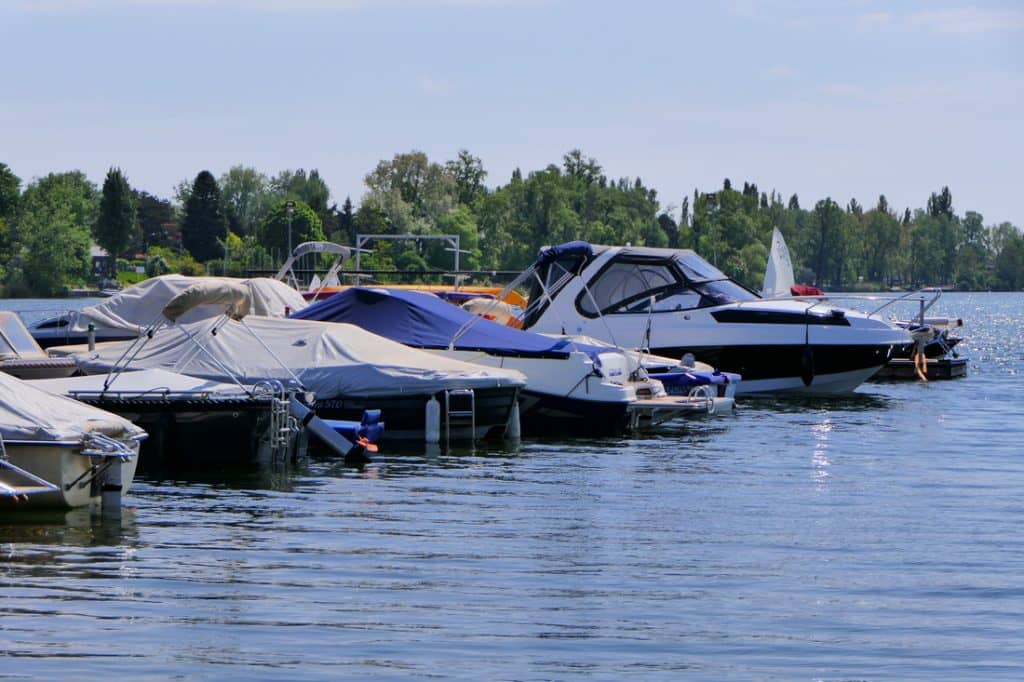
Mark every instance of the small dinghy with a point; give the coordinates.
(57, 452)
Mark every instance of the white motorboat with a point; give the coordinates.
(125, 315)
(673, 303)
(572, 385)
(348, 369)
(57, 452)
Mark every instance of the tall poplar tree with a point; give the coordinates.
(204, 221)
(116, 226)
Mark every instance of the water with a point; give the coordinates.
(872, 537)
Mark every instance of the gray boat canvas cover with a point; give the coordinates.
(146, 382)
(330, 359)
(138, 306)
(28, 413)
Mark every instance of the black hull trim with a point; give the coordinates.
(405, 417)
(543, 414)
(777, 362)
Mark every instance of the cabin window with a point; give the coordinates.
(696, 268)
(623, 282)
(721, 292)
(665, 302)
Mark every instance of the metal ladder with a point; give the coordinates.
(467, 397)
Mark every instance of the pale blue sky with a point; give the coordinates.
(842, 99)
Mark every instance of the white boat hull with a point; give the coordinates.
(78, 477)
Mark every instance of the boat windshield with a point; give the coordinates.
(14, 338)
(624, 281)
(722, 291)
(696, 268)
(554, 275)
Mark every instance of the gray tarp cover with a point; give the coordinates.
(138, 306)
(233, 298)
(330, 359)
(30, 413)
(143, 382)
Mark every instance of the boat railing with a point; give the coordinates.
(101, 445)
(923, 298)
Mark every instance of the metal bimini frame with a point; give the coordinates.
(300, 415)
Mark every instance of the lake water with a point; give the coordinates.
(873, 537)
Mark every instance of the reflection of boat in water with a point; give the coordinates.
(56, 452)
(571, 385)
(21, 356)
(125, 315)
(348, 369)
(673, 302)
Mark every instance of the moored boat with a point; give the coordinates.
(674, 303)
(348, 369)
(57, 452)
(571, 386)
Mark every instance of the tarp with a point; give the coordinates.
(333, 360)
(138, 306)
(423, 320)
(233, 298)
(547, 254)
(153, 382)
(30, 413)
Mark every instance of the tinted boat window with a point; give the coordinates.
(696, 268)
(667, 301)
(623, 281)
(722, 291)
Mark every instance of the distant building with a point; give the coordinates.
(102, 263)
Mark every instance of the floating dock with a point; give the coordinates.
(938, 369)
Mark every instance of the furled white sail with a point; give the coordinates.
(778, 276)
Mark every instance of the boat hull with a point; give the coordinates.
(792, 368)
(66, 467)
(405, 416)
(214, 432)
(545, 414)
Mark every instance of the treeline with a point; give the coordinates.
(245, 218)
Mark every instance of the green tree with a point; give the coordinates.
(303, 223)
(346, 232)
(53, 232)
(1009, 264)
(468, 172)
(10, 193)
(412, 191)
(828, 254)
(156, 220)
(203, 223)
(116, 227)
(308, 188)
(246, 197)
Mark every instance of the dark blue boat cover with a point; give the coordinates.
(548, 254)
(422, 320)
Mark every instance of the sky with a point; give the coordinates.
(841, 99)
